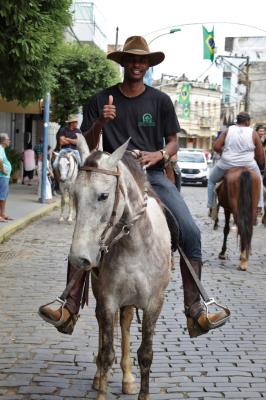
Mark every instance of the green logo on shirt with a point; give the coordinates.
(146, 120)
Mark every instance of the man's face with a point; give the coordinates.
(6, 142)
(261, 132)
(135, 67)
(73, 125)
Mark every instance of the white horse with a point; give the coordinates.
(122, 234)
(68, 171)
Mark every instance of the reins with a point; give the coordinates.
(122, 227)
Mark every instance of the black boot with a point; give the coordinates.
(198, 322)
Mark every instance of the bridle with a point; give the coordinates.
(120, 228)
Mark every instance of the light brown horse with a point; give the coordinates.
(238, 194)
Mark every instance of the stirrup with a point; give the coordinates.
(49, 320)
(195, 329)
(222, 321)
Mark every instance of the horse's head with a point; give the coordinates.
(98, 197)
(64, 165)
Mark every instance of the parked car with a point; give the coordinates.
(194, 167)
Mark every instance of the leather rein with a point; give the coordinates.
(120, 228)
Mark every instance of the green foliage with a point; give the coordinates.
(81, 72)
(14, 157)
(30, 33)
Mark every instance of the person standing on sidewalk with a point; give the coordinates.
(28, 164)
(5, 171)
(146, 115)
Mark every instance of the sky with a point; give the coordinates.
(184, 49)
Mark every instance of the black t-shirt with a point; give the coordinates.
(148, 119)
(70, 135)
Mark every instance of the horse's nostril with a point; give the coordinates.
(84, 262)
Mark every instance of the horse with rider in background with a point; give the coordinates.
(241, 156)
(66, 164)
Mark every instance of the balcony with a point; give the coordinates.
(205, 122)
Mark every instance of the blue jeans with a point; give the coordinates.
(64, 151)
(170, 196)
(217, 174)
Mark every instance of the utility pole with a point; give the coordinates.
(246, 73)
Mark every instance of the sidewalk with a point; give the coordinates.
(23, 206)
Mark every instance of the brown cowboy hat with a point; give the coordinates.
(137, 45)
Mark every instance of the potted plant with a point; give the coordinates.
(15, 159)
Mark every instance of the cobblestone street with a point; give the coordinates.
(38, 363)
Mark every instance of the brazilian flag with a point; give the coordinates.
(184, 100)
(184, 95)
(208, 44)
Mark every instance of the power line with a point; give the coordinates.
(208, 22)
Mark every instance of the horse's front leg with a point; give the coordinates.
(145, 352)
(106, 354)
(63, 202)
(226, 232)
(128, 383)
(70, 212)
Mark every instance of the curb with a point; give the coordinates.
(21, 223)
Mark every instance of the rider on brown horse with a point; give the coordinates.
(239, 146)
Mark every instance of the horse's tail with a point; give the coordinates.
(245, 203)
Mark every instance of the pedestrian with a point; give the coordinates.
(239, 146)
(28, 164)
(261, 132)
(5, 171)
(48, 186)
(147, 116)
(38, 149)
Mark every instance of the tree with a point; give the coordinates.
(82, 71)
(31, 31)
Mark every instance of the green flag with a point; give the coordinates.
(208, 44)
(184, 95)
(184, 100)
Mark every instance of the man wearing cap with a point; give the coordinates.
(239, 146)
(147, 116)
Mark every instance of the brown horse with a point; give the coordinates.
(238, 194)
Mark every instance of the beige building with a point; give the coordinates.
(202, 122)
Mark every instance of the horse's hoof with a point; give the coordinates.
(222, 256)
(242, 268)
(96, 383)
(61, 220)
(69, 221)
(129, 388)
(143, 396)
(101, 396)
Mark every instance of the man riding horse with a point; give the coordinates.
(68, 140)
(147, 116)
(239, 146)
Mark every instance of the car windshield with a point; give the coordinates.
(191, 157)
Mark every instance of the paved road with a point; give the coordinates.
(36, 362)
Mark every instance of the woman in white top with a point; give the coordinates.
(239, 146)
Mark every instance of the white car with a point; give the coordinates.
(194, 167)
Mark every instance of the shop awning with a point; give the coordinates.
(14, 107)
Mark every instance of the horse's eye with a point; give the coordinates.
(103, 196)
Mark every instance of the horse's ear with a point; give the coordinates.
(117, 155)
(55, 153)
(82, 147)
